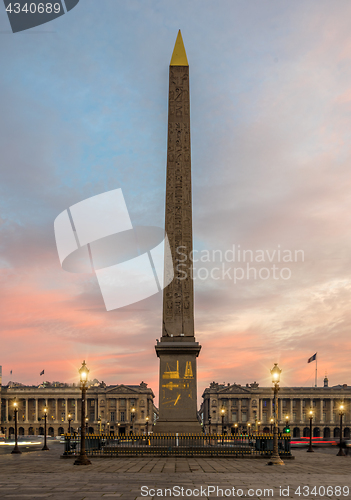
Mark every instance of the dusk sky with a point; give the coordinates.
(84, 110)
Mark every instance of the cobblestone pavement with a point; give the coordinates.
(40, 474)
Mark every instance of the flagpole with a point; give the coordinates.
(315, 384)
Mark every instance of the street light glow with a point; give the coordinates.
(275, 372)
(83, 372)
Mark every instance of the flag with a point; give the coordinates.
(42, 372)
(312, 358)
(11, 372)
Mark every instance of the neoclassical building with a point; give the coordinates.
(108, 408)
(250, 407)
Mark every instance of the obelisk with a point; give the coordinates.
(177, 348)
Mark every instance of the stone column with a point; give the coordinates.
(240, 417)
(321, 410)
(66, 409)
(331, 410)
(301, 410)
(36, 411)
(6, 411)
(260, 410)
(270, 409)
(56, 410)
(249, 410)
(27, 403)
(280, 413)
(96, 409)
(291, 410)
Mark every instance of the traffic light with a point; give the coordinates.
(286, 430)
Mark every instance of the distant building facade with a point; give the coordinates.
(250, 408)
(108, 408)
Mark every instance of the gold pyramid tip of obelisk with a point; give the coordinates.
(179, 55)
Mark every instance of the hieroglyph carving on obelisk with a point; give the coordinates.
(178, 297)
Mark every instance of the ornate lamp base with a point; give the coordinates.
(82, 460)
(275, 460)
(16, 450)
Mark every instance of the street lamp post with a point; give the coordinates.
(118, 424)
(236, 428)
(133, 416)
(108, 428)
(258, 426)
(45, 447)
(222, 415)
(248, 428)
(271, 422)
(310, 449)
(275, 458)
(209, 424)
(86, 426)
(16, 448)
(341, 451)
(69, 418)
(147, 426)
(83, 459)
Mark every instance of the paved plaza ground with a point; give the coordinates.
(39, 474)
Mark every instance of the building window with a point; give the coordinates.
(234, 417)
(294, 416)
(294, 403)
(132, 402)
(264, 403)
(234, 402)
(112, 416)
(244, 417)
(122, 402)
(264, 417)
(284, 403)
(122, 416)
(324, 404)
(314, 402)
(324, 417)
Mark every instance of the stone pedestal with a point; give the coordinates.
(177, 389)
